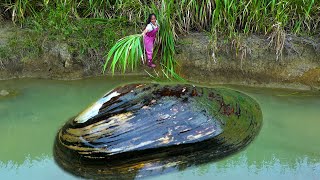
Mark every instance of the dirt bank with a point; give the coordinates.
(250, 61)
(254, 63)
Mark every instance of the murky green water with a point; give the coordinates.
(288, 146)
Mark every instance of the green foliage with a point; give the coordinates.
(126, 52)
(166, 36)
(20, 8)
(87, 36)
(228, 16)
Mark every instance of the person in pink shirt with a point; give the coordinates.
(149, 36)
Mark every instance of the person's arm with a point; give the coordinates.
(147, 29)
(144, 32)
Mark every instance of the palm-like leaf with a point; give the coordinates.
(125, 53)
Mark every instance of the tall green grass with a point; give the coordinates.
(229, 16)
(166, 49)
(127, 51)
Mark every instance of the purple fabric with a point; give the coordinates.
(149, 39)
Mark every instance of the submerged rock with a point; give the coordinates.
(4, 92)
(140, 130)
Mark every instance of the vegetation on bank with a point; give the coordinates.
(92, 27)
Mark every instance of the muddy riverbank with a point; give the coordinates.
(252, 60)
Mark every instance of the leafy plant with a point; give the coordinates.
(127, 52)
(166, 49)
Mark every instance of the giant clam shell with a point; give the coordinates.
(139, 130)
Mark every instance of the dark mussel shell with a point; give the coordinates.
(139, 130)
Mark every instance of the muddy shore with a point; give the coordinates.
(254, 62)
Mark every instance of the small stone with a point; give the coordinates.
(4, 92)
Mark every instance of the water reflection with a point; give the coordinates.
(42, 167)
(240, 168)
(237, 167)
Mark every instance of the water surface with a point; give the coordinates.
(288, 146)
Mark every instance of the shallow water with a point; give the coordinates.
(288, 146)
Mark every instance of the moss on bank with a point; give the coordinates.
(84, 41)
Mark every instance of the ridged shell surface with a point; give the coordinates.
(140, 130)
